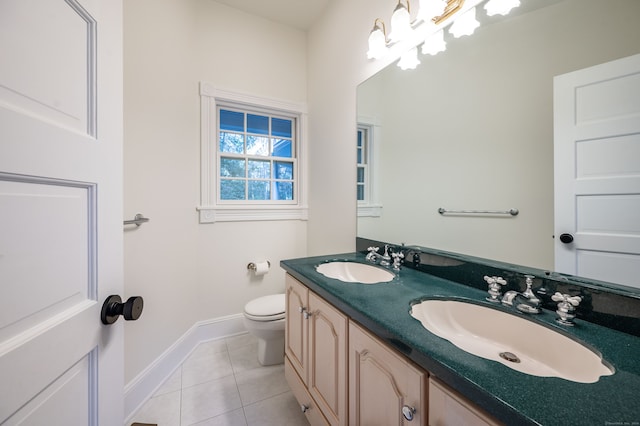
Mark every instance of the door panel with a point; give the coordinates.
(597, 171)
(60, 39)
(61, 210)
(69, 389)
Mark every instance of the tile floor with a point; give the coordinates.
(222, 384)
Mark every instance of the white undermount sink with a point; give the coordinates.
(510, 339)
(353, 272)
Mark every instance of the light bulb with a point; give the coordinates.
(430, 9)
(400, 23)
(465, 24)
(500, 7)
(434, 44)
(377, 44)
(409, 59)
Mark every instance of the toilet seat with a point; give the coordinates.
(266, 308)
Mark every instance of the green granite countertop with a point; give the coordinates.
(510, 396)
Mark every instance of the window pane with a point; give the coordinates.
(281, 127)
(259, 190)
(231, 142)
(257, 124)
(359, 150)
(257, 145)
(359, 138)
(232, 189)
(360, 193)
(231, 120)
(282, 148)
(283, 170)
(259, 169)
(360, 174)
(283, 191)
(231, 167)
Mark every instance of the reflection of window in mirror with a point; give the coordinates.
(366, 194)
(363, 164)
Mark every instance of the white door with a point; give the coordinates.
(597, 172)
(60, 211)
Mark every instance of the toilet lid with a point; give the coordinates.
(266, 308)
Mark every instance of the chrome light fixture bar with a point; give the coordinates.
(428, 27)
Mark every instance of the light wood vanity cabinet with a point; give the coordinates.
(448, 408)
(382, 384)
(316, 351)
(323, 349)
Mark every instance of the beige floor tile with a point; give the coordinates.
(232, 418)
(163, 410)
(206, 366)
(261, 383)
(240, 340)
(210, 399)
(281, 410)
(244, 357)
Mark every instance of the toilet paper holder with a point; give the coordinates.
(252, 266)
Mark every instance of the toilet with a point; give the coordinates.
(264, 318)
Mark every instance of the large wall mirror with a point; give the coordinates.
(472, 129)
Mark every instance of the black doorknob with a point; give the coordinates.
(566, 238)
(113, 307)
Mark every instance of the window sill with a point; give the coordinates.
(212, 214)
(370, 210)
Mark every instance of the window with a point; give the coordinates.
(256, 156)
(363, 169)
(251, 164)
(367, 132)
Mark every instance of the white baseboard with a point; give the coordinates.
(145, 384)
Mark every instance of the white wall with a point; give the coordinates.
(186, 271)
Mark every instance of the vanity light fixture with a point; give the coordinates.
(465, 24)
(409, 59)
(500, 7)
(427, 29)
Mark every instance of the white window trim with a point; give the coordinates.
(210, 211)
(371, 207)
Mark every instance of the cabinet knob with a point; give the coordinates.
(304, 408)
(301, 309)
(408, 412)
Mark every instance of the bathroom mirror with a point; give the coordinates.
(472, 129)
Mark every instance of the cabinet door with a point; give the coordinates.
(327, 359)
(296, 333)
(448, 408)
(381, 383)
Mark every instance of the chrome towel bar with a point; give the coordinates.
(512, 212)
(138, 220)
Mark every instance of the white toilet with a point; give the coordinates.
(264, 318)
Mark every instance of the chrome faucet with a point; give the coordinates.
(566, 308)
(495, 284)
(525, 302)
(374, 256)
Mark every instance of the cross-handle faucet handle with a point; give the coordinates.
(397, 259)
(566, 308)
(371, 256)
(559, 297)
(494, 288)
(496, 280)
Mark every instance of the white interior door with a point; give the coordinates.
(60, 211)
(597, 172)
